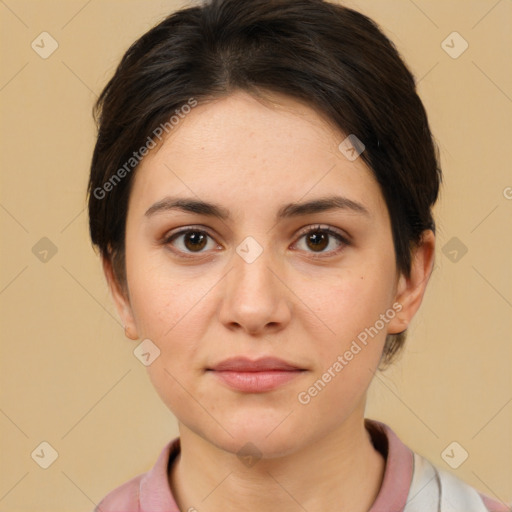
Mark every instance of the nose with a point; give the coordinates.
(256, 300)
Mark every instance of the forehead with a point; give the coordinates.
(246, 150)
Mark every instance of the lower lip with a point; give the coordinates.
(256, 382)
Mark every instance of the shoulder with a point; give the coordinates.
(411, 483)
(493, 505)
(146, 491)
(124, 498)
(434, 485)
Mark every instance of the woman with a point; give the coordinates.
(261, 193)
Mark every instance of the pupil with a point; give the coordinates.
(319, 240)
(195, 240)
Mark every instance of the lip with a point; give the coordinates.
(244, 364)
(255, 376)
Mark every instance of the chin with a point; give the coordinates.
(262, 437)
(257, 444)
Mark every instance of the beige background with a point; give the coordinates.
(69, 376)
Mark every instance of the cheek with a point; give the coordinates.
(172, 308)
(162, 296)
(169, 310)
(346, 360)
(352, 300)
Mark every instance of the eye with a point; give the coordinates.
(190, 241)
(317, 239)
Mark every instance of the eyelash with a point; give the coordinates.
(313, 229)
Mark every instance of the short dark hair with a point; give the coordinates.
(333, 58)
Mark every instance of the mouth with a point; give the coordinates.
(255, 376)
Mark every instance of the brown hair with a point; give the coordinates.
(334, 58)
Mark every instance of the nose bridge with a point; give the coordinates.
(251, 273)
(254, 297)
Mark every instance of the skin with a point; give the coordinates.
(252, 157)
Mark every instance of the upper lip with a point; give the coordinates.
(244, 364)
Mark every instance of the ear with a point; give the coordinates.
(410, 290)
(121, 300)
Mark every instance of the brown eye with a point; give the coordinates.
(317, 239)
(190, 241)
(195, 240)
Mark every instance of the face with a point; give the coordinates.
(296, 294)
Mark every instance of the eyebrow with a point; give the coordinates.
(290, 210)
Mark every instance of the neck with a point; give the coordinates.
(340, 471)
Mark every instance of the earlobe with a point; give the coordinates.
(130, 333)
(121, 300)
(410, 290)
